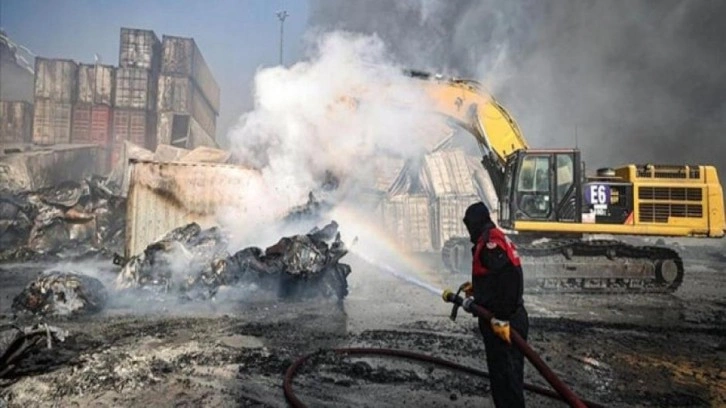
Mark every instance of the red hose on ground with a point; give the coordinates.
(522, 345)
(297, 403)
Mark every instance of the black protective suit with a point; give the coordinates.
(498, 285)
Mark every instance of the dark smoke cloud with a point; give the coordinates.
(638, 81)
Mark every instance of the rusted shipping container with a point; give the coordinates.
(135, 125)
(51, 122)
(91, 124)
(179, 94)
(135, 89)
(96, 83)
(139, 49)
(56, 79)
(16, 122)
(163, 196)
(181, 56)
(407, 218)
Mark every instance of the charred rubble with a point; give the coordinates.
(69, 219)
(194, 262)
(61, 294)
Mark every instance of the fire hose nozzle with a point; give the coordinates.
(447, 295)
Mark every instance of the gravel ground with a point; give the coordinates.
(620, 351)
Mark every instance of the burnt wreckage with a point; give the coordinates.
(194, 262)
(70, 219)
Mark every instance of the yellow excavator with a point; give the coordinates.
(547, 205)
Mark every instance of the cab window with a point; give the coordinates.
(533, 186)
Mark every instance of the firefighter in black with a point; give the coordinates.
(497, 285)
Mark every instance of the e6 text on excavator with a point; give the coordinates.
(548, 206)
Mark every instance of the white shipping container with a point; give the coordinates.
(55, 79)
(164, 196)
(139, 49)
(135, 89)
(181, 56)
(51, 122)
(96, 84)
(408, 219)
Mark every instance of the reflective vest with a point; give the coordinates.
(495, 237)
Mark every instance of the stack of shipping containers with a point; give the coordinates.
(93, 110)
(134, 113)
(188, 96)
(55, 93)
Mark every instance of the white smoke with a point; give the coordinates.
(336, 111)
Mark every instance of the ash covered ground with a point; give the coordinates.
(620, 351)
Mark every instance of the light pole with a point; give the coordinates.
(281, 15)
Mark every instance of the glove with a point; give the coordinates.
(501, 329)
(467, 288)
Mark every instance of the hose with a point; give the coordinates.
(549, 375)
(297, 403)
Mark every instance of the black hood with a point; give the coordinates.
(476, 219)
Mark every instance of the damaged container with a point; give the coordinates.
(55, 80)
(135, 89)
(179, 94)
(164, 196)
(16, 122)
(91, 124)
(181, 57)
(96, 84)
(181, 130)
(51, 122)
(448, 212)
(139, 49)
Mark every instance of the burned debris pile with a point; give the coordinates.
(67, 219)
(61, 294)
(19, 345)
(194, 262)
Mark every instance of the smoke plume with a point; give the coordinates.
(328, 117)
(628, 81)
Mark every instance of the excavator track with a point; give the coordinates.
(584, 266)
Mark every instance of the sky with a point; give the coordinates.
(626, 80)
(236, 37)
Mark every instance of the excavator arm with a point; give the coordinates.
(468, 103)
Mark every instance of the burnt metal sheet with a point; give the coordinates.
(198, 136)
(139, 49)
(51, 122)
(135, 89)
(179, 94)
(55, 79)
(408, 219)
(181, 130)
(446, 173)
(164, 196)
(181, 56)
(16, 122)
(91, 124)
(448, 212)
(96, 83)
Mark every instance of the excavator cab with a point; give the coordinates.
(541, 185)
